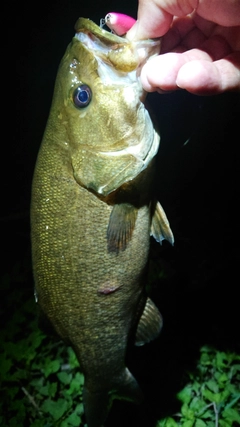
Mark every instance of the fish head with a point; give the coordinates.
(109, 131)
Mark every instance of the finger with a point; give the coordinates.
(221, 12)
(183, 31)
(205, 78)
(161, 72)
(193, 71)
(152, 21)
(192, 34)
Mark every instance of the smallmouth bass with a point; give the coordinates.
(93, 211)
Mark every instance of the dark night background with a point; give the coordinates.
(198, 185)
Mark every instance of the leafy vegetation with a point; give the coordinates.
(211, 397)
(41, 384)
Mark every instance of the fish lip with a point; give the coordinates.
(98, 39)
(84, 25)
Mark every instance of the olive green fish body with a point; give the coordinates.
(92, 214)
(85, 290)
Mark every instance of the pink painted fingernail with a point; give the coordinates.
(119, 23)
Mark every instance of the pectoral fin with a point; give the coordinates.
(150, 324)
(160, 227)
(121, 226)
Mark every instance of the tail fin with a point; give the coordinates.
(98, 404)
(96, 407)
(127, 388)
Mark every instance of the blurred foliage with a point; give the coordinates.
(41, 384)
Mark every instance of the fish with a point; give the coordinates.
(93, 210)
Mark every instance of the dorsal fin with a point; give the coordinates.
(121, 225)
(150, 324)
(160, 227)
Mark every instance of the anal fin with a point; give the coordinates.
(160, 227)
(150, 324)
(121, 225)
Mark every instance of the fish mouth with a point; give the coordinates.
(84, 25)
(122, 54)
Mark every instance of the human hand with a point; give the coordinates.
(200, 47)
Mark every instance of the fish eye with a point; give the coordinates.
(82, 96)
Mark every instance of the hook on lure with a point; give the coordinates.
(118, 23)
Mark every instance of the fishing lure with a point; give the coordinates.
(118, 23)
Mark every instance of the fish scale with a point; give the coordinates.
(92, 213)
